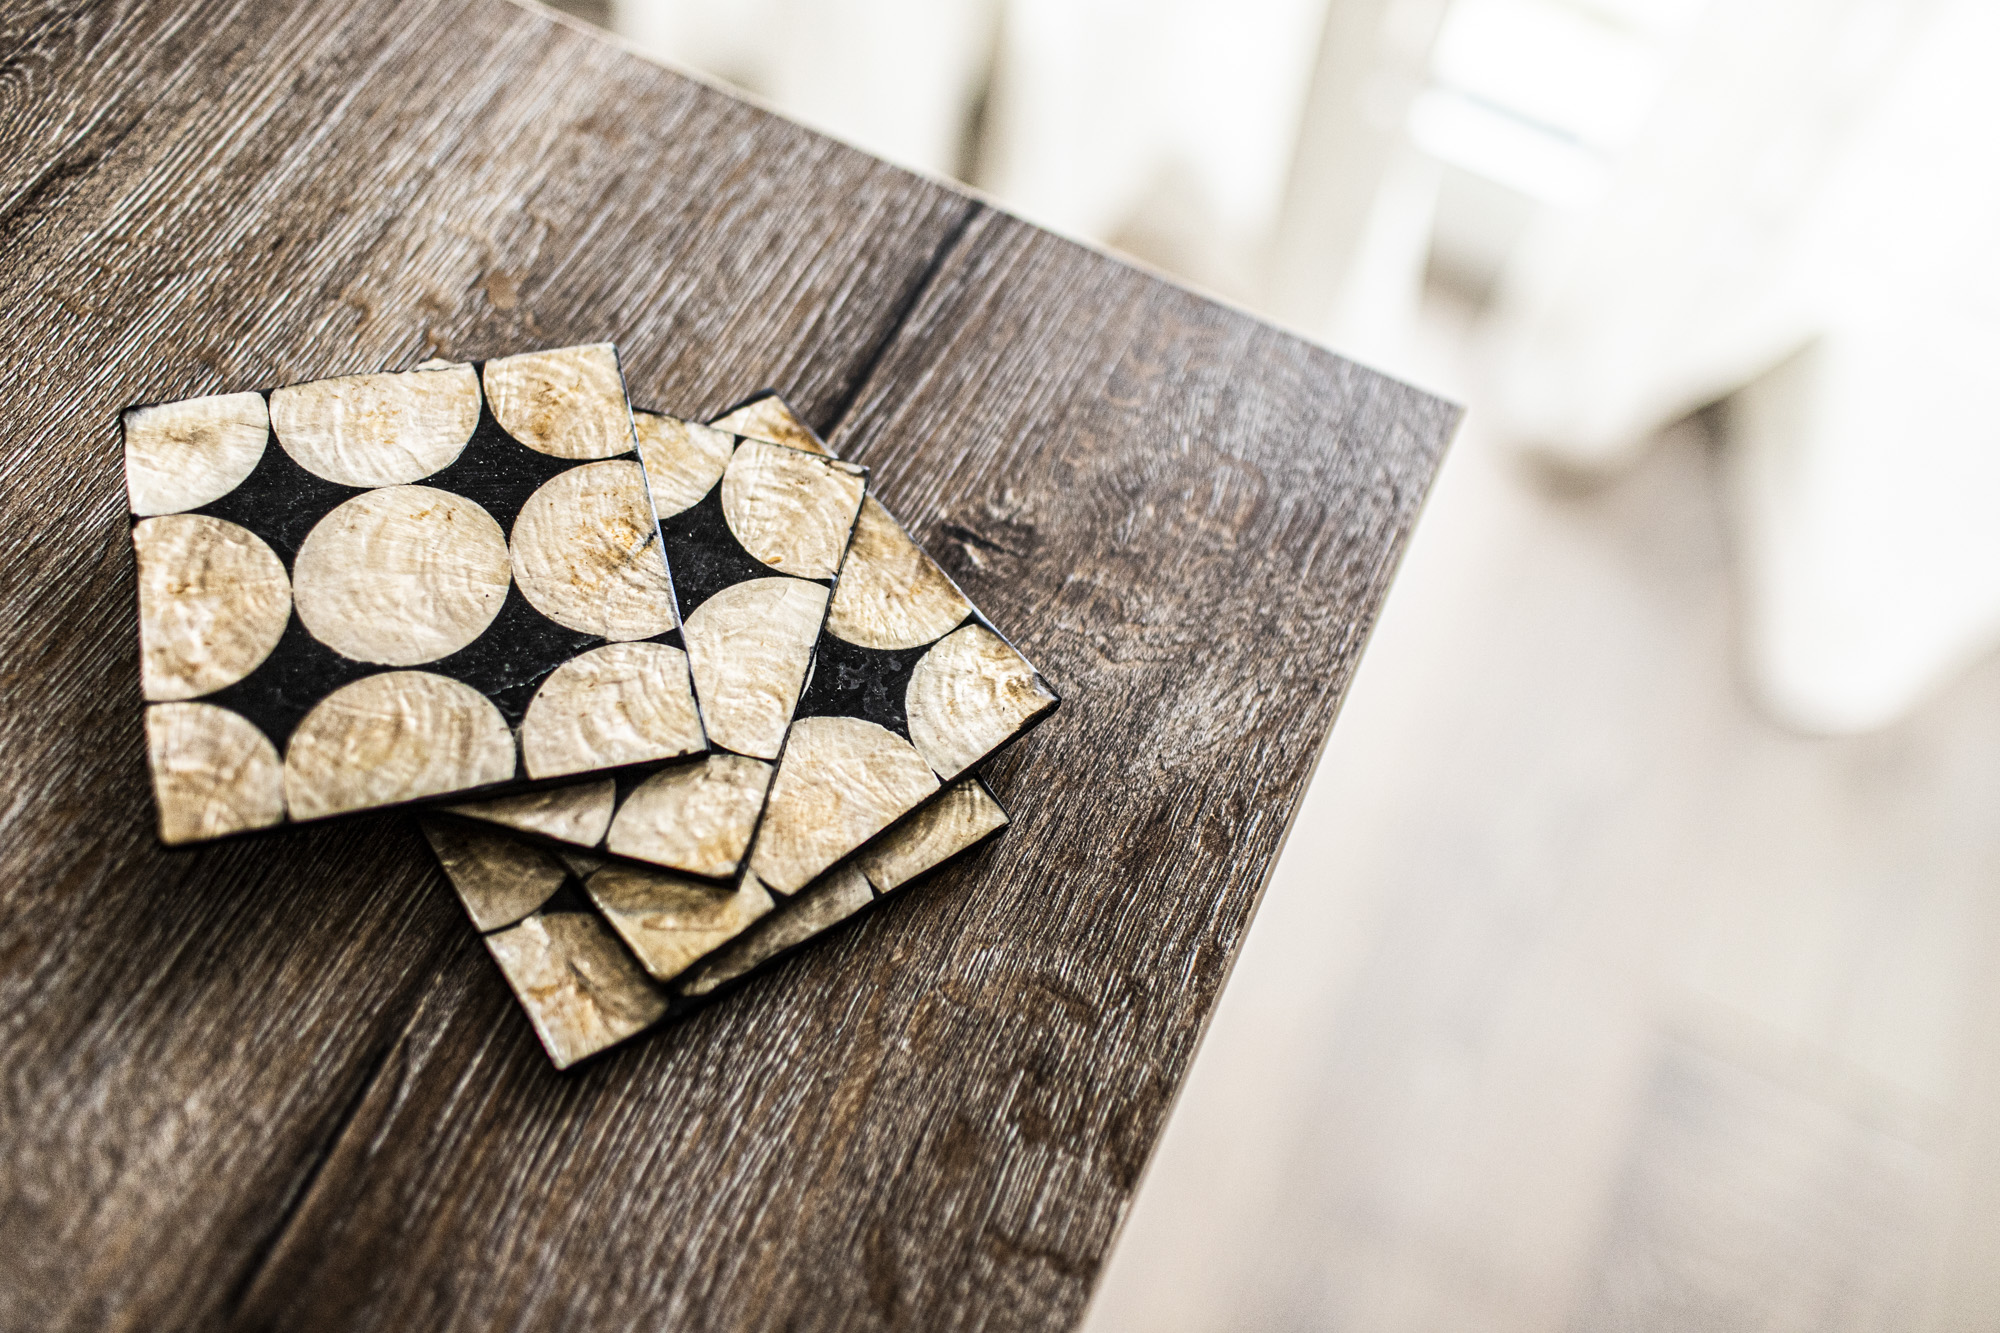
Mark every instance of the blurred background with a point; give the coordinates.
(1635, 960)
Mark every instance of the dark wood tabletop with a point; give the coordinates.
(277, 1083)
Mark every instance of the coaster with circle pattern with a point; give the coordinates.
(754, 532)
(375, 589)
(598, 951)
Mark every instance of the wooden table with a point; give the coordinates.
(277, 1083)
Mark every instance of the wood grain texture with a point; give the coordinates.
(277, 1083)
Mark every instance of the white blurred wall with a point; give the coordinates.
(1660, 203)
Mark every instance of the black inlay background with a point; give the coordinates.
(299, 673)
(568, 897)
(705, 556)
(499, 471)
(280, 501)
(869, 683)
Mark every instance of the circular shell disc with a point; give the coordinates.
(568, 402)
(214, 772)
(683, 461)
(890, 594)
(624, 703)
(843, 781)
(587, 556)
(968, 695)
(402, 575)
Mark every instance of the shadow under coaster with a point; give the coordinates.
(363, 591)
(838, 849)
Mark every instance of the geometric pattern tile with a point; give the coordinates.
(754, 533)
(597, 951)
(375, 589)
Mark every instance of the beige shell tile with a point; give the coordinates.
(402, 575)
(500, 879)
(180, 456)
(586, 553)
(214, 772)
(827, 903)
(770, 419)
(792, 511)
(582, 992)
(968, 695)
(668, 921)
(568, 402)
(843, 780)
(624, 703)
(890, 594)
(378, 430)
(696, 818)
(213, 603)
(749, 647)
(683, 461)
(397, 736)
(961, 817)
(578, 813)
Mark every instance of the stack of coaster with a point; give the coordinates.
(676, 697)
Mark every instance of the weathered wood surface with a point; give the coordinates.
(278, 1083)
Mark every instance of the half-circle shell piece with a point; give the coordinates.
(843, 781)
(968, 696)
(181, 456)
(568, 402)
(683, 461)
(749, 647)
(669, 922)
(792, 511)
(402, 575)
(581, 990)
(587, 553)
(624, 703)
(393, 737)
(498, 878)
(696, 818)
(578, 813)
(213, 603)
(378, 430)
(214, 772)
(890, 594)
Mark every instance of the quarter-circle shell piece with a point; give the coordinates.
(402, 575)
(498, 878)
(578, 813)
(378, 430)
(843, 781)
(581, 990)
(683, 461)
(397, 736)
(213, 603)
(969, 695)
(669, 922)
(624, 703)
(587, 553)
(180, 456)
(749, 647)
(768, 418)
(791, 510)
(214, 772)
(697, 818)
(962, 816)
(568, 402)
(890, 594)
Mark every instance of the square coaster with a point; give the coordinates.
(911, 688)
(754, 532)
(597, 951)
(374, 589)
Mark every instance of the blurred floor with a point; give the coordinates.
(1583, 997)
